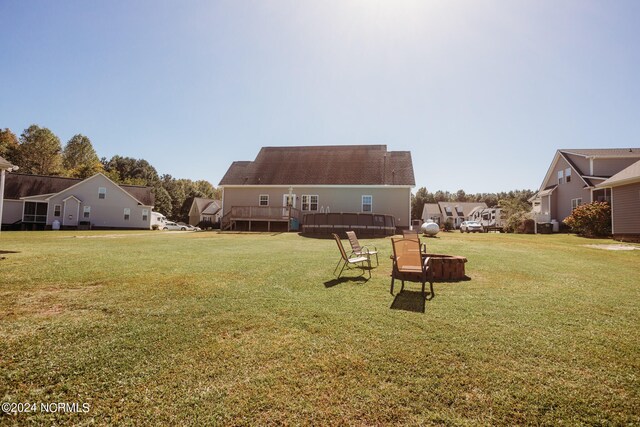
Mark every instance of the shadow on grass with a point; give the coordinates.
(464, 279)
(335, 282)
(9, 252)
(410, 301)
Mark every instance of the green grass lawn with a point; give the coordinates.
(154, 328)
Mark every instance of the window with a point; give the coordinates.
(56, 210)
(309, 202)
(127, 214)
(567, 174)
(86, 212)
(145, 214)
(367, 203)
(560, 177)
(102, 192)
(447, 210)
(35, 212)
(575, 203)
(263, 200)
(459, 211)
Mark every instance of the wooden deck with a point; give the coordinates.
(261, 218)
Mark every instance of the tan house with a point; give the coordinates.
(283, 183)
(625, 202)
(45, 202)
(457, 212)
(205, 210)
(5, 167)
(573, 179)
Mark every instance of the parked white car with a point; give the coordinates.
(471, 227)
(170, 225)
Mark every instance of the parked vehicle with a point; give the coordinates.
(471, 227)
(170, 225)
(189, 227)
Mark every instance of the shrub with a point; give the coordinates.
(448, 224)
(519, 222)
(590, 220)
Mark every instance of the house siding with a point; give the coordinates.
(107, 212)
(11, 211)
(389, 200)
(625, 208)
(565, 192)
(610, 167)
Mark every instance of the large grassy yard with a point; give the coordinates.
(153, 328)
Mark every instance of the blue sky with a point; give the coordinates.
(481, 92)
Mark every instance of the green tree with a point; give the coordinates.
(8, 144)
(128, 170)
(418, 200)
(162, 200)
(39, 152)
(79, 158)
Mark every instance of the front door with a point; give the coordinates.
(71, 213)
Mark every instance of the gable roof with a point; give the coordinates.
(4, 164)
(464, 207)
(603, 152)
(625, 176)
(429, 210)
(24, 185)
(324, 165)
(205, 206)
(590, 153)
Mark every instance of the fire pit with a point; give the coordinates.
(447, 267)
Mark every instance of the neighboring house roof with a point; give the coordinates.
(429, 210)
(23, 185)
(629, 175)
(459, 209)
(212, 208)
(603, 152)
(592, 153)
(4, 164)
(324, 165)
(205, 206)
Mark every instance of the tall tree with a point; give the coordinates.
(130, 171)
(79, 158)
(8, 144)
(162, 200)
(418, 200)
(39, 151)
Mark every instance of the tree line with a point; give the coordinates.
(39, 151)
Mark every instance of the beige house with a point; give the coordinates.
(573, 179)
(625, 202)
(205, 210)
(5, 167)
(457, 212)
(45, 202)
(284, 183)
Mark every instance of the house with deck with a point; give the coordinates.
(624, 188)
(349, 186)
(574, 178)
(37, 202)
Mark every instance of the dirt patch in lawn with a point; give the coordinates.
(614, 247)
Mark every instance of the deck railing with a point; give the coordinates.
(259, 213)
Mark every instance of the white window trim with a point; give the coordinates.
(308, 197)
(567, 175)
(102, 192)
(260, 199)
(370, 204)
(86, 210)
(145, 212)
(578, 202)
(560, 177)
(127, 214)
(59, 211)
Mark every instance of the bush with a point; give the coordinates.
(590, 220)
(448, 224)
(519, 222)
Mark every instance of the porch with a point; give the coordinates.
(261, 218)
